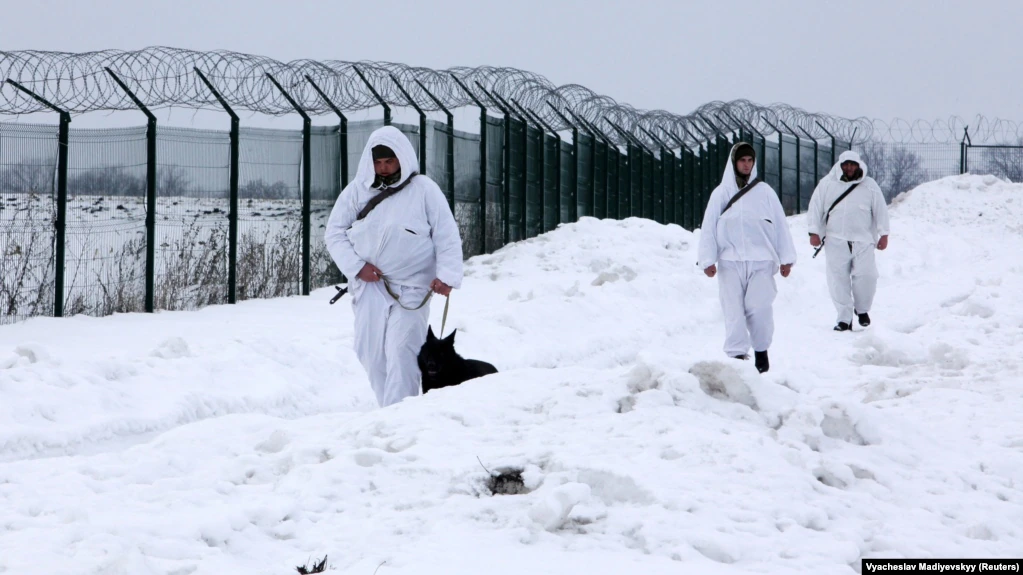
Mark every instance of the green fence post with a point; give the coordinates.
(680, 179)
(63, 137)
(573, 213)
(307, 175)
(707, 168)
(543, 164)
(232, 216)
(833, 141)
(781, 163)
(150, 192)
(451, 145)
(524, 200)
(592, 192)
(342, 138)
(483, 163)
(627, 156)
(723, 147)
(342, 130)
(608, 147)
(422, 124)
(664, 175)
(641, 149)
(505, 166)
(629, 160)
(387, 109)
(799, 179)
(964, 149)
(542, 160)
(816, 158)
(557, 168)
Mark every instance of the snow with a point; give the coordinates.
(245, 438)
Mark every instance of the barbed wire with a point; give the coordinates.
(163, 77)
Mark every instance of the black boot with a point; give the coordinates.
(842, 326)
(761, 361)
(864, 319)
(741, 356)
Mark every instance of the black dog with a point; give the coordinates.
(441, 365)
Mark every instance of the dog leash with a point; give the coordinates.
(429, 294)
(444, 320)
(387, 286)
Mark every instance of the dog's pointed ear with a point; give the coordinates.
(451, 338)
(429, 333)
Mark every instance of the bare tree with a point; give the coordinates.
(107, 181)
(1004, 162)
(893, 166)
(171, 180)
(33, 177)
(261, 190)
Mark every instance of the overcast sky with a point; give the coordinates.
(880, 59)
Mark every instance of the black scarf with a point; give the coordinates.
(858, 175)
(386, 181)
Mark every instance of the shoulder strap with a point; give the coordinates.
(381, 196)
(741, 192)
(840, 198)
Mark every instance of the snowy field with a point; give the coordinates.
(245, 439)
(106, 252)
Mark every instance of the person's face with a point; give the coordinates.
(849, 169)
(744, 165)
(386, 166)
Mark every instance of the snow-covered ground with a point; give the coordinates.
(245, 439)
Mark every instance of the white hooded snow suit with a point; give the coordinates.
(412, 237)
(850, 236)
(748, 243)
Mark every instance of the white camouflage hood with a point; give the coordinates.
(728, 179)
(394, 139)
(848, 155)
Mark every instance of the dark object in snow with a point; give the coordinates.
(317, 567)
(507, 483)
(340, 292)
(762, 363)
(441, 365)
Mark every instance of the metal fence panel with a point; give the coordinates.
(585, 183)
(467, 191)
(534, 181)
(600, 179)
(192, 192)
(494, 225)
(552, 177)
(568, 182)
(106, 229)
(516, 199)
(269, 213)
(1003, 161)
(613, 182)
(28, 209)
(325, 186)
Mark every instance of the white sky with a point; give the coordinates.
(880, 59)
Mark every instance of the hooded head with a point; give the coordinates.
(850, 167)
(733, 176)
(387, 143)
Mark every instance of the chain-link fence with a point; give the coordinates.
(145, 219)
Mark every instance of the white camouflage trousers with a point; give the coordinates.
(747, 291)
(852, 277)
(388, 338)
